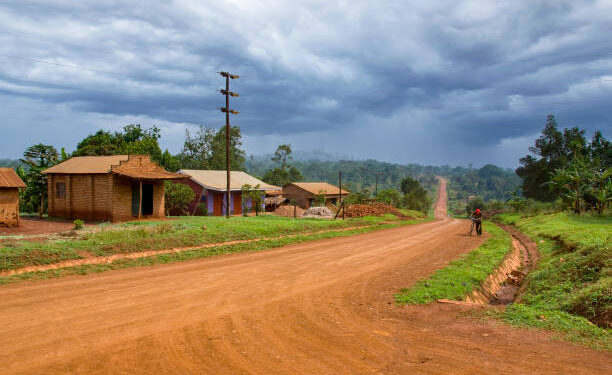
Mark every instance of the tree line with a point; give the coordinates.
(566, 166)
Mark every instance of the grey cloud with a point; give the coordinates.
(461, 72)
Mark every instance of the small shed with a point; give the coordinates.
(114, 188)
(305, 193)
(210, 188)
(10, 183)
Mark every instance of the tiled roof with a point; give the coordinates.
(132, 166)
(319, 188)
(10, 179)
(87, 164)
(217, 180)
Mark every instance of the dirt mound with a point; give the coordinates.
(287, 211)
(377, 209)
(319, 212)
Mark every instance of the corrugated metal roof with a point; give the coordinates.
(10, 179)
(216, 180)
(319, 188)
(87, 164)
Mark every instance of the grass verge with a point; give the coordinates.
(463, 275)
(191, 254)
(109, 239)
(570, 291)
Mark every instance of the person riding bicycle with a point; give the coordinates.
(477, 221)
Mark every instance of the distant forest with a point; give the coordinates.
(488, 182)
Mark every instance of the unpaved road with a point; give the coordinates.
(322, 307)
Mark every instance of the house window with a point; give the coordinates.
(60, 190)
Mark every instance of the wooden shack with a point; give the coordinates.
(10, 183)
(210, 188)
(305, 193)
(113, 188)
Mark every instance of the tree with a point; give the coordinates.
(284, 173)
(38, 158)
(170, 162)
(572, 183)
(132, 140)
(389, 196)
(475, 203)
(409, 184)
(600, 151)
(177, 197)
(553, 150)
(254, 194)
(197, 149)
(282, 156)
(237, 155)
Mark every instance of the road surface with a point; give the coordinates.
(323, 307)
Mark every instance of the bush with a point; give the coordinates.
(177, 198)
(202, 209)
(78, 224)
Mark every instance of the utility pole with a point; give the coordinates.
(340, 194)
(227, 112)
(376, 188)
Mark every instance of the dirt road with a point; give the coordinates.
(324, 307)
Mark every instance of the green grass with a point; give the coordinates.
(200, 253)
(463, 275)
(160, 235)
(572, 284)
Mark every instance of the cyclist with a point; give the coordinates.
(477, 221)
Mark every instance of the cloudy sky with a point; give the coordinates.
(434, 82)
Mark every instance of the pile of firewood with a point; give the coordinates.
(377, 209)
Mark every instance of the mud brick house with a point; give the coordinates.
(210, 189)
(9, 197)
(114, 188)
(305, 193)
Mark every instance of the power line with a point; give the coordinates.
(63, 65)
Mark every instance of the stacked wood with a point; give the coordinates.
(287, 211)
(377, 209)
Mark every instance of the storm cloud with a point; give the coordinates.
(439, 82)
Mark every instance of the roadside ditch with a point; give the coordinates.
(505, 283)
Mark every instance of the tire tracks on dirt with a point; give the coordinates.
(321, 307)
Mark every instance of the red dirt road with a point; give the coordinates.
(323, 307)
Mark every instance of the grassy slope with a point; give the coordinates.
(463, 275)
(182, 232)
(573, 279)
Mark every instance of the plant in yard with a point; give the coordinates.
(177, 197)
(78, 224)
(202, 209)
(319, 199)
(572, 183)
(253, 193)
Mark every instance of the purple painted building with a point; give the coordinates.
(210, 188)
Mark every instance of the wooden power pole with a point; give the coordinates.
(227, 112)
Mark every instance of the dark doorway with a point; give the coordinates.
(147, 199)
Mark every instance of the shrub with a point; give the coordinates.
(78, 224)
(202, 209)
(177, 198)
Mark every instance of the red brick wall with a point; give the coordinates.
(122, 199)
(98, 197)
(88, 196)
(302, 198)
(9, 206)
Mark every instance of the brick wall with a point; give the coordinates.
(122, 199)
(87, 196)
(302, 198)
(9, 206)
